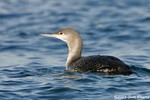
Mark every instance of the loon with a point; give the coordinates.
(96, 63)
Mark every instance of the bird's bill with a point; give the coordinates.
(53, 35)
(48, 35)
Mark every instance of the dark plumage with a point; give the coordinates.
(103, 64)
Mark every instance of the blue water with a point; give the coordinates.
(33, 67)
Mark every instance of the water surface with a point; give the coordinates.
(33, 67)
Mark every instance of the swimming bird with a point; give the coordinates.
(96, 63)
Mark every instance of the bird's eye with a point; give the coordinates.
(60, 33)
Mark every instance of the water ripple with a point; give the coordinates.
(33, 67)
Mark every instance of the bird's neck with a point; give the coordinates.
(75, 50)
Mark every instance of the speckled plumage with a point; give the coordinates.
(97, 63)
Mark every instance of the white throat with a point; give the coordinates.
(75, 50)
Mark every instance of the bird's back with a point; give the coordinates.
(104, 64)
